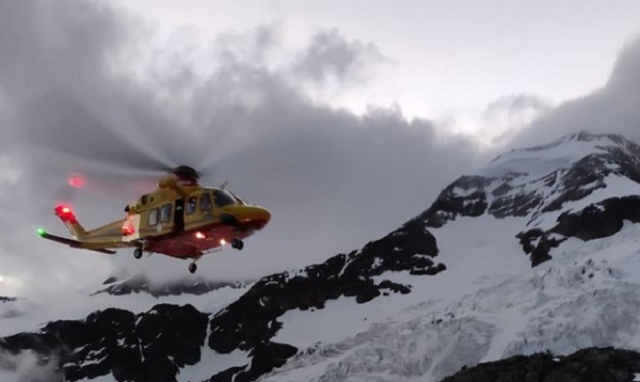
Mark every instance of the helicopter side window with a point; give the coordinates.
(192, 202)
(223, 198)
(165, 213)
(205, 201)
(153, 217)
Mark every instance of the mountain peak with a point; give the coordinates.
(545, 183)
(585, 136)
(558, 154)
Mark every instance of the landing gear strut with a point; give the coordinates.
(193, 267)
(137, 253)
(237, 244)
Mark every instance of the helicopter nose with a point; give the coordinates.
(252, 217)
(259, 214)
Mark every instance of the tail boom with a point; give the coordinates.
(72, 243)
(65, 213)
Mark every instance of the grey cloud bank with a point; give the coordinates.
(610, 109)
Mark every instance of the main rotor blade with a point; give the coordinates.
(60, 132)
(59, 123)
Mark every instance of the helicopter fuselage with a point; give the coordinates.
(181, 220)
(192, 221)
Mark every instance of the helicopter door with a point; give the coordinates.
(178, 217)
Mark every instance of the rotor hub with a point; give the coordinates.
(186, 173)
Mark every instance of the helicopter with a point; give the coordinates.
(180, 219)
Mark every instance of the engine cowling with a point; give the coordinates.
(168, 182)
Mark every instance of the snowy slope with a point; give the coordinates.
(490, 304)
(482, 309)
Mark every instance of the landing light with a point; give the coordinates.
(200, 235)
(223, 242)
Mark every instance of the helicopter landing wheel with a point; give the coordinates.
(237, 244)
(137, 253)
(193, 267)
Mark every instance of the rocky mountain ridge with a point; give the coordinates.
(586, 365)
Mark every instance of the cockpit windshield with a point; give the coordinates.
(223, 198)
(238, 199)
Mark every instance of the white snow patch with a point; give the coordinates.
(463, 193)
(304, 329)
(212, 363)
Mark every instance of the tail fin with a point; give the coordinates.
(65, 213)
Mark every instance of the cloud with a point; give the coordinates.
(505, 117)
(610, 109)
(332, 179)
(28, 366)
(51, 45)
(331, 58)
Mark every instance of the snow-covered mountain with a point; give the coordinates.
(551, 186)
(537, 253)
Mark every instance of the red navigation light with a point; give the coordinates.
(65, 213)
(76, 181)
(128, 229)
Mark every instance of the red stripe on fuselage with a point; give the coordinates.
(187, 244)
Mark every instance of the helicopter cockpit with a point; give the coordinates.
(221, 198)
(224, 198)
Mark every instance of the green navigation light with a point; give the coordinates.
(41, 232)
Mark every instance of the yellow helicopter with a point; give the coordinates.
(180, 219)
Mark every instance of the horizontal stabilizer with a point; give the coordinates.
(73, 243)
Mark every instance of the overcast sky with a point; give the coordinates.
(341, 118)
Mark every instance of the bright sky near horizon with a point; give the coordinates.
(444, 60)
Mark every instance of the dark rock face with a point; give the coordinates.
(595, 221)
(147, 347)
(600, 219)
(140, 284)
(153, 346)
(587, 365)
(450, 204)
(584, 177)
(518, 204)
(6, 299)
